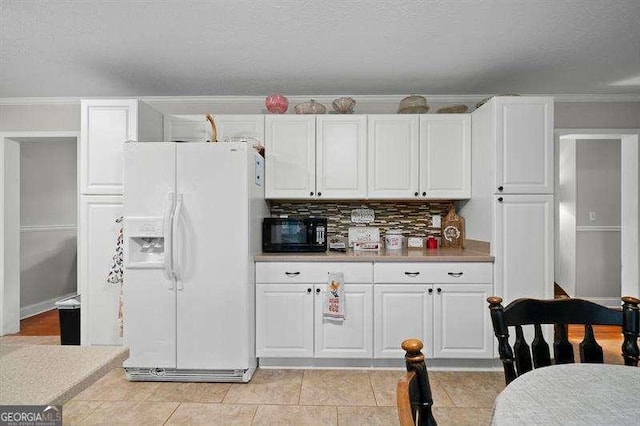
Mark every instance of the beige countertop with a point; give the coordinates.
(406, 255)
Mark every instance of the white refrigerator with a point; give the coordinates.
(192, 226)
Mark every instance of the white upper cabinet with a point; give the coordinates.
(341, 156)
(290, 156)
(524, 145)
(393, 156)
(445, 156)
(105, 126)
(196, 127)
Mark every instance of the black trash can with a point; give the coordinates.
(69, 313)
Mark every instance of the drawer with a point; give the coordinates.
(435, 272)
(316, 272)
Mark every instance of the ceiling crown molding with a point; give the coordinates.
(326, 99)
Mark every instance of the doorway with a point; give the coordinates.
(39, 262)
(596, 214)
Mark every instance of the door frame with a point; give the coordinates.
(10, 221)
(629, 233)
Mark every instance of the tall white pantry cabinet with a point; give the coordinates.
(511, 203)
(105, 125)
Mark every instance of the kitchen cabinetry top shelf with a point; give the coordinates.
(418, 255)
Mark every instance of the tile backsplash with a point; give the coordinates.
(414, 218)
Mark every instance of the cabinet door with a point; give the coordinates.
(341, 156)
(402, 312)
(290, 164)
(353, 337)
(445, 156)
(97, 236)
(462, 325)
(524, 145)
(104, 126)
(231, 126)
(284, 320)
(523, 246)
(393, 156)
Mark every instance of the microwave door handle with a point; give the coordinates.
(177, 272)
(168, 246)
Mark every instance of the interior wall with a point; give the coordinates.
(598, 256)
(597, 115)
(40, 117)
(48, 209)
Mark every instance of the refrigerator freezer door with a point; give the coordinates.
(215, 296)
(149, 295)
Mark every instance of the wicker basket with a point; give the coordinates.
(454, 109)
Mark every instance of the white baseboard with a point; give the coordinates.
(40, 307)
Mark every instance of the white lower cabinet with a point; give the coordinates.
(450, 316)
(402, 312)
(284, 320)
(443, 304)
(289, 304)
(353, 337)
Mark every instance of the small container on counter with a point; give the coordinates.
(394, 239)
(415, 242)
(432, 242)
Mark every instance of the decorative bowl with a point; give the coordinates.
(311, 107)
(276, 104)
(343, 105)
(414, 104)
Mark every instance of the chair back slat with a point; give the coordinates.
(590, 350)
(562, 348)
(540, 348)
(522, 352)
(561, 313)
(630, 330)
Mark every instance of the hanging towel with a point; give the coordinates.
(115, 275)
(334, 306)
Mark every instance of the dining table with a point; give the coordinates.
(571, 394)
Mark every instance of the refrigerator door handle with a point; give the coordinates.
(175, 252)
(168, 246)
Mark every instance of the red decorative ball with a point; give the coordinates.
(276, 104)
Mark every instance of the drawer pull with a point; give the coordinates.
(412, 274)
(292, 274)
(456, 274)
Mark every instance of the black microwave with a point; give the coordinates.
(294, 234)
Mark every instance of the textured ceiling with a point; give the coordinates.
(319, 47)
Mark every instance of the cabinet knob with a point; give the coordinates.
(439, 290)
(500, 188)
(309, 290)
(319, 194)
(430, 290)
(424, 194)
(416, 194)
(317, 291)
(311, 193)
(500, 199)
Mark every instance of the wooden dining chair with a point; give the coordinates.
(560, 312)
(414, 392)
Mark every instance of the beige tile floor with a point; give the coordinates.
(282, 397)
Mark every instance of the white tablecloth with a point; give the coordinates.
(568, 394)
